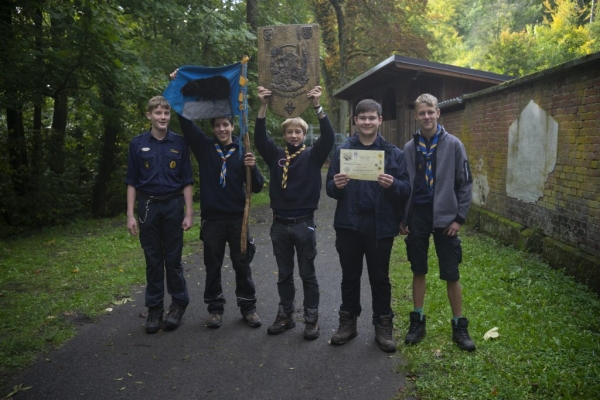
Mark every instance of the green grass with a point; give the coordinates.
(549, 343)
(57, 278)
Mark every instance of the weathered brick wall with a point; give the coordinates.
(569, 209)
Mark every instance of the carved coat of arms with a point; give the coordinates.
(288, 59)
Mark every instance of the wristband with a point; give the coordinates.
(316, 107)
(319, 110)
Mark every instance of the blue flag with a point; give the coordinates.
(207, 92)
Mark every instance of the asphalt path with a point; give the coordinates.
(113, 358)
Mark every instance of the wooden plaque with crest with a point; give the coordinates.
(288, 65)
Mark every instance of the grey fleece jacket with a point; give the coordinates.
(453, 180)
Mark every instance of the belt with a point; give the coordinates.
(292, 221)
(162, 199)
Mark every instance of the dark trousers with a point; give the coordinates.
(448, 249)
(214, 235)
(161, 237)
(352, 246)
(300, 238)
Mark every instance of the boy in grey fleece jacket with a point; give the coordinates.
(441, 183)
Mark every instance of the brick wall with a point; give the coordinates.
(569, 210)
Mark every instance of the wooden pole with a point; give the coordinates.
(246, 135)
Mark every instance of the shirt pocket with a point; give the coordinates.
(173, 163)
(148, 166)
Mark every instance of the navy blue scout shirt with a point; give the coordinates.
(159, 167)
(303, 190)
(218, 202)
(369, 190)
(422, 194)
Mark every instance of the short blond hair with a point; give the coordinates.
(428, 99)
(158, 101)
(295, 121)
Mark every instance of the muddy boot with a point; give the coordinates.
(282, 322)
(383, 334)
(416, 330)
(346, 330)
(460, 335)
(311, 327)
(154, 320)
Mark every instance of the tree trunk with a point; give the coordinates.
(56, 158)
(251, 13)
(106, 164)
(341, 22)
(17, 150)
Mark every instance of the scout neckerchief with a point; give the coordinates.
(224, 166)
(288, 158)
(429, 156)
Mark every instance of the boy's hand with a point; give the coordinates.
(173, 74)
(262, 94)
(132, 225)
(315, 95)
(452, 229)
(187, 222)
(340, 180)
(385, 180)
(404, 229)
(249, 160)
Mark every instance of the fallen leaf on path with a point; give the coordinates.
(16, 389)
(491, 334)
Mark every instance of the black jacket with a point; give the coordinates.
(389, 202)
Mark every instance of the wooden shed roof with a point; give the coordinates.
(395, 66)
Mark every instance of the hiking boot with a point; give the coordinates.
(155, 317)
(383, 334)
(282, 322)
(253, 320)
(311, 327)
(174, 316)
(460, 335)
(346, 329)
(214, 320)
(416, 330)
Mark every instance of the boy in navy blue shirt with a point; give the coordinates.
(294, 190)
(159, 177)
(222, 163)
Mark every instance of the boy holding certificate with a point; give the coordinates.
(367, 219)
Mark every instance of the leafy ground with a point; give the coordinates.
(548, 348)
(549, 326)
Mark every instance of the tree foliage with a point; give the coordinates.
(509, 36)
(76, 74)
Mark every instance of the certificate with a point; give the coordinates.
(362, 164)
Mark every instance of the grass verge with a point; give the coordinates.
(57, 279)
(549, 325)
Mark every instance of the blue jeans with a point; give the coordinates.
(161, 237)
(214, 235)
(302, 239)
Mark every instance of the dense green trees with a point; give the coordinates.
(75, 74)
(512, 37)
